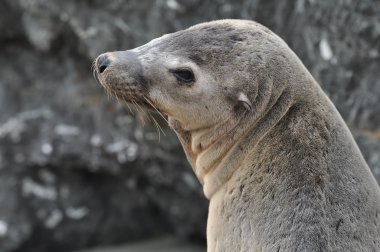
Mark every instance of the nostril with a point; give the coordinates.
(103, 63)
(102, 68)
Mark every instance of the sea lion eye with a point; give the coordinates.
(183, 75)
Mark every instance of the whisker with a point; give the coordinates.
(151, 104)
(151, 119)
(94, 72)
(117, 99)
(108, 94)
(142, 110)
(137, 107)
(127, 105)
(156, 123)
(114, 95)
(158, 127)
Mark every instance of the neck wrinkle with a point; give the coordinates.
(203, 139)
(206, 160)
(217, 140)
(230, 160)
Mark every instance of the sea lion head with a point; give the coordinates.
(221, 84)
(200, 76)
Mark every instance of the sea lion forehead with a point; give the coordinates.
(214, 33)
(202, 42)
(205, 41)
(227, 26)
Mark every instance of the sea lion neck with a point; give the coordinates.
(233, 155)
(215, 153)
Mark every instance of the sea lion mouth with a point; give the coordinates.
(120, 74)
(126, 93)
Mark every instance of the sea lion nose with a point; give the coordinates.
(102, 63)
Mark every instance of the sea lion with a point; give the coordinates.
(276, 160)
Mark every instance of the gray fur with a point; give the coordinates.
(285, 176)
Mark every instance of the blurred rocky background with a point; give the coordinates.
(78, 170)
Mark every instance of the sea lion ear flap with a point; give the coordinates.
(245, 101)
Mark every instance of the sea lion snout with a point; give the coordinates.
(102, 62)
(125, 59)
(120, 73)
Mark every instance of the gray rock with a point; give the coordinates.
(165, 244)
(79, 170)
